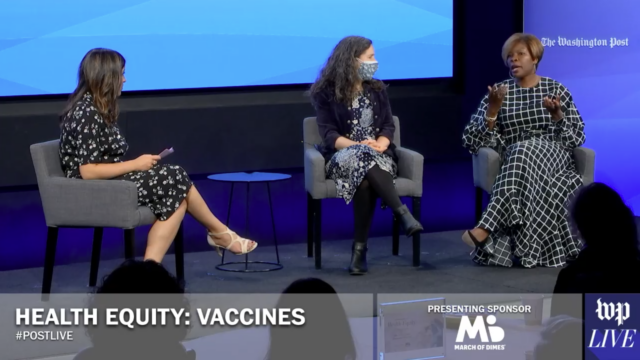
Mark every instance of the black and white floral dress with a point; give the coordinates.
(349, 166)
(86, 139)
(527, 214)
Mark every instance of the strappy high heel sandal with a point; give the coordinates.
(244, 243)
(471, 240)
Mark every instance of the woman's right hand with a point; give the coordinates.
(496, 97)
(146, 162)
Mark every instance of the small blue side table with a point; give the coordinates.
(248, 178)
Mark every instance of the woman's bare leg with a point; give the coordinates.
(162, 234)
(198, 208)
(480, 234)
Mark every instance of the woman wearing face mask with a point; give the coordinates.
(355, 121)
(533, 123)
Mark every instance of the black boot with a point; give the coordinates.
(358, 259)
(408, 223)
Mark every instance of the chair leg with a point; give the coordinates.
(479, 200)
(417, 213)
(49, 260)
(129, 244)
(178, 247)
(95, 255)
(396, 236)
(273, 224)
(317, 233)
(310, 218)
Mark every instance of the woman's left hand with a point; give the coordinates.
(375, 145)
(552, 104)
(379, 147)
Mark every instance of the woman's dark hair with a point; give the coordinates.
(340, 74)
(326, 334)
(100, 74)
(138, 285)
(604, 220)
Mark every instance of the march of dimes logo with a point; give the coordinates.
(490, 334)
(613, 313)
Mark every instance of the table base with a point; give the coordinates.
(223, 266)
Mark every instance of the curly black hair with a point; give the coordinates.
(340, 73)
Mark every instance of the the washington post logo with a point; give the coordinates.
(490, 334)
(613, 338)
(610, 311)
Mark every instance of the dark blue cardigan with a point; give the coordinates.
(333, 117)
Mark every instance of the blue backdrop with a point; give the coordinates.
(171, 44)
(591, 47)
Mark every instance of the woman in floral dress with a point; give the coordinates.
(355, 121)
(92, 148)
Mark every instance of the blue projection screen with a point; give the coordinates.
(178, 44)
(592, 48)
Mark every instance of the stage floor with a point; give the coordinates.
(446, 268)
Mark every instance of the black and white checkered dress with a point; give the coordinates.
(527, 214)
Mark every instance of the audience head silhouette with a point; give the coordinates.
(140, 277)
(326, 334)
(138, 285)
(604, 221)
(561, 339)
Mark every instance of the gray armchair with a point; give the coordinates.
(98, 204)
(318, 187)
(486, 165)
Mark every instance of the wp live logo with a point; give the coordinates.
(613, 338)
(490, 333)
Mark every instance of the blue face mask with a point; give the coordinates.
(367, 69)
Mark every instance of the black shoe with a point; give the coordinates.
(471, 240)
(358, 259)
(408, 223)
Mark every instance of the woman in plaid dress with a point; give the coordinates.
(533, 123)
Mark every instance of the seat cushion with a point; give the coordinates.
(327, 189)
(407, 187)
(145, 216)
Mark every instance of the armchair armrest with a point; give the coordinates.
(410, 165)
(486, 165)
(77, 202)
(314, 174)
(585, 159)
